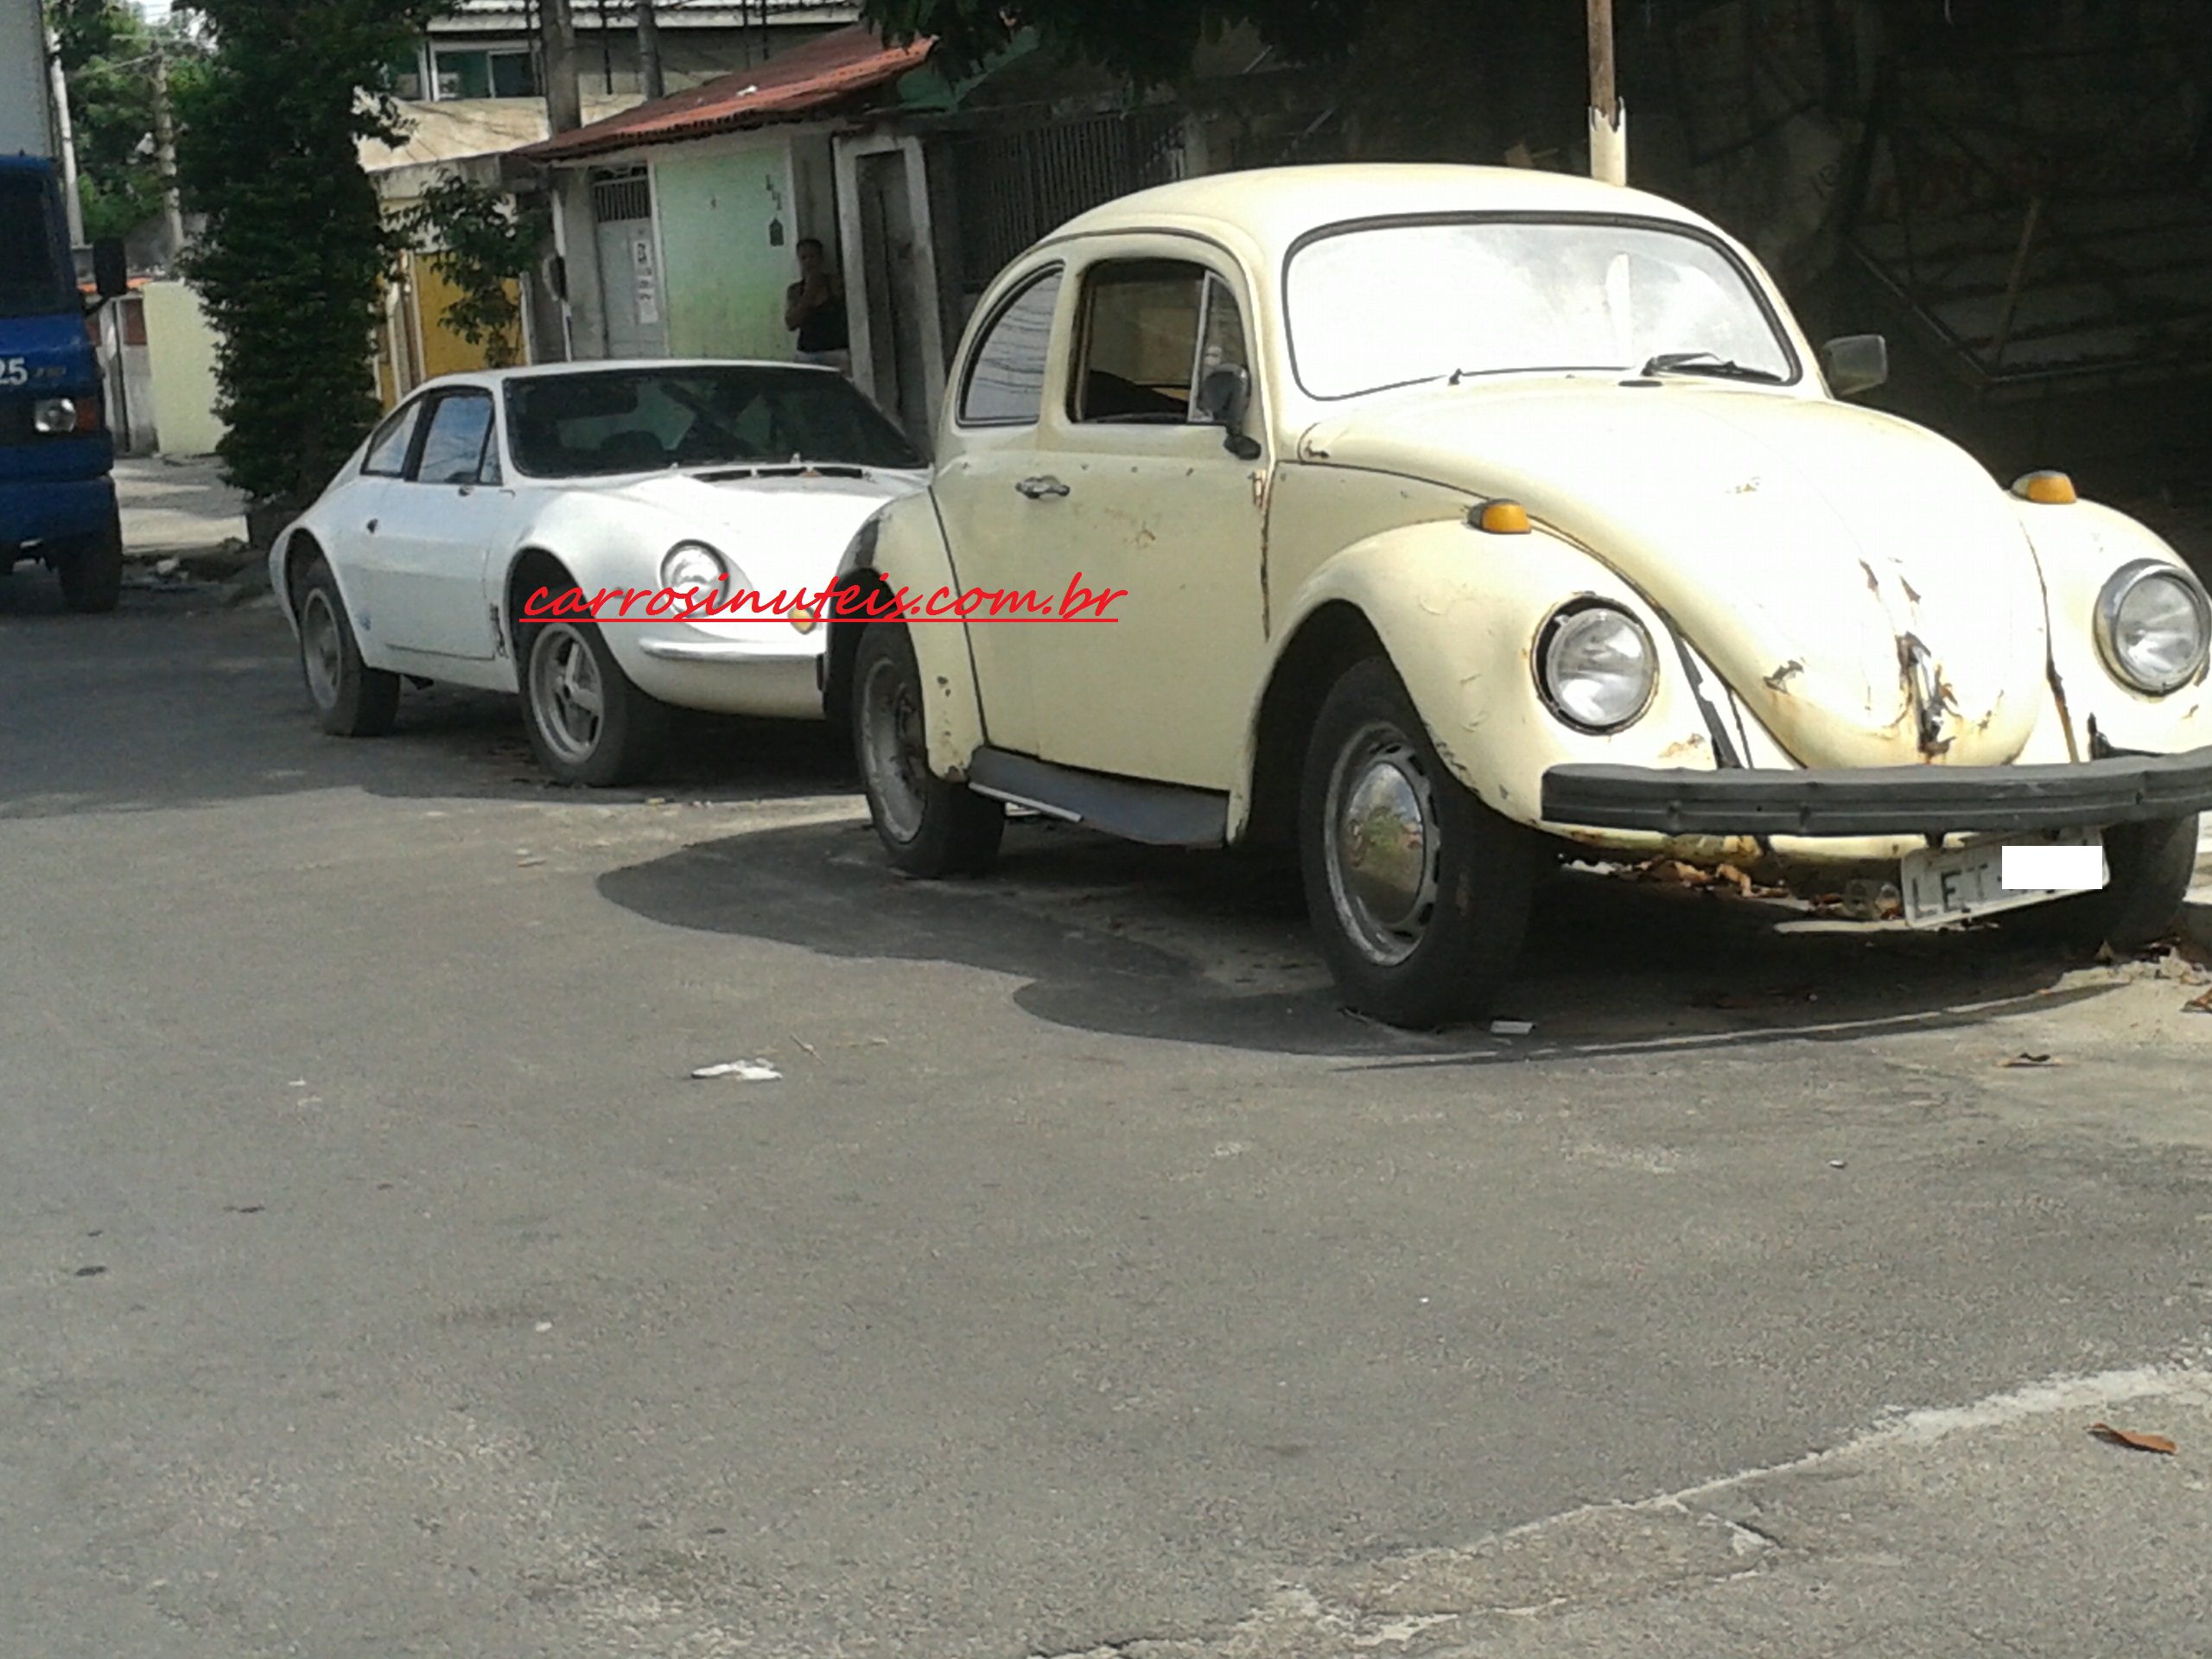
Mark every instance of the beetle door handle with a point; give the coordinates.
(1038, 488)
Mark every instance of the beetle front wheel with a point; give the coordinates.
(2152, 865)
(1419, 893)
(930, 827)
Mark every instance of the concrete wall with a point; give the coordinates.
(180, 351)
(727, 217)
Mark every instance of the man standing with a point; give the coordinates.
(814, 308)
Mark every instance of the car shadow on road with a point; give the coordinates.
(176, 699)
(1213, 948)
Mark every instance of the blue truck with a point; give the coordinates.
(57, 458)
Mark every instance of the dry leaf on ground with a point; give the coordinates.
(2134, 1440)
(2032, 1060)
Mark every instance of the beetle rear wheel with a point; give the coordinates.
(1419, 893)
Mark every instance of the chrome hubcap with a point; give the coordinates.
(566, 693)
(1381, 845)
(322, 649)
(893, 753)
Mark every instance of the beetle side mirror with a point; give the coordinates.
(1855, 363)
(1224, 398)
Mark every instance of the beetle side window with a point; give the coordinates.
(1006, 376)
(387, 456)
(1152, 328)
(453, 449)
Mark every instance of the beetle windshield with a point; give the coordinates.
(598, 422)
(1388, 305)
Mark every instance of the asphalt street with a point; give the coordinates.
(376, 1279)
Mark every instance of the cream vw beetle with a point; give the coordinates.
(1469, 518)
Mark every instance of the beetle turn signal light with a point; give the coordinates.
(1501, 518)
(2048, 489)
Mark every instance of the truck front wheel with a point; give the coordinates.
(91, 574)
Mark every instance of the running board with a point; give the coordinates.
(1159, 815)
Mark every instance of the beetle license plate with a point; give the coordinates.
(1937, 887)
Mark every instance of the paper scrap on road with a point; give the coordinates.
(1511, 1027)
(2133, 1440)
(747, 1070)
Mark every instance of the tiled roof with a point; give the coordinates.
(809, 79)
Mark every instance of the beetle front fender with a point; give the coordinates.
(2078, 548)
(904, 547)
(1457, 612)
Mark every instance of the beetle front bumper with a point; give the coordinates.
(1881, 800)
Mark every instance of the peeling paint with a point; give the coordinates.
(1682, 746)
(1873, 583)
(1775, 681)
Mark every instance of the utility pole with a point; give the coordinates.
(564, 110)
(65, 138)
(1608, 119)
(165, 152)
(655, 83)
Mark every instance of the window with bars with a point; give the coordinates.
(628, 193)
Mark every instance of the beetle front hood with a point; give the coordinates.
(1864, 586)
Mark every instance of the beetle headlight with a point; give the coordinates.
(51, 416)
(693, 564)
(2153, 624)
(1596, 667)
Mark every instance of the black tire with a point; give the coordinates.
(1431, 937)
(350, 699)
(91, 575)
(930, 827)
(2151, 867)
(567, 666)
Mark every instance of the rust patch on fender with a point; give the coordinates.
(1690, 745)
(2065, 715)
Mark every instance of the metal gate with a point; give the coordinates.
(1015, 186)
(629, 264)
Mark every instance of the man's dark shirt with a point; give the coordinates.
(823, 328)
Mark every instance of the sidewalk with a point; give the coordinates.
(182, 509)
